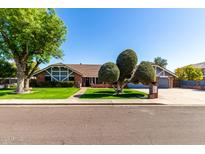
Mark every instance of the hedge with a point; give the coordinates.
(35, 83)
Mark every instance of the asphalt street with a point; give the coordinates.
(102, 124)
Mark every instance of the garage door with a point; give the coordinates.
(163, 83)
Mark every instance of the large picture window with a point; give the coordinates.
(59, 74)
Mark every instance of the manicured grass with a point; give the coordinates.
(39, 93)
(109, 93)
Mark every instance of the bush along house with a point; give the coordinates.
(81, 74)
(86, 75)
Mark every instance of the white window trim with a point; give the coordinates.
(58, 76)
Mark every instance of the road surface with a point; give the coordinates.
(102, 124)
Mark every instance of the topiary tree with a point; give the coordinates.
(109, 73)
(126, 62)
(144, 73)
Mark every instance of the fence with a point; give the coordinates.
(192, 84)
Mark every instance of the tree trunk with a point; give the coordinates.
(119, 88)
(26, 84)
(20, 77)
(20, 83)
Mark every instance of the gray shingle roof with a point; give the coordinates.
(87, 70)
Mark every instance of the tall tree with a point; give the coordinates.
(161, 62)
(30, 35)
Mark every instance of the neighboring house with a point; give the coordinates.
(202, 66)
(81, 74)
(87, 74)
(165, 78)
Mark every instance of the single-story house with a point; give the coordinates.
(87, 74)
(82, 74)
(165, 77)
(202, 66)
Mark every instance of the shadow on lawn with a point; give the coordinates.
(6, 92)
(111, 95)
(105, 92)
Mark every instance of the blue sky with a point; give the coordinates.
(96, 36)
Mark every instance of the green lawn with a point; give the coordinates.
(109, 93)
(39, 93)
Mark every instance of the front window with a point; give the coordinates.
(59, 74)
(71, 78)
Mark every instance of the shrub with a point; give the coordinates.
(108, 73)
(189, 73)
(35, 83)
(144, 73)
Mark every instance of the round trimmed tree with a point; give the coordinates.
(109, 73)
(126, 62)
(144, 73)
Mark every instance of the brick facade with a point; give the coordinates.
(41, 76)
(78, 80)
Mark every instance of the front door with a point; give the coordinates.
(87, 82)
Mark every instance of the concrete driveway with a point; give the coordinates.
(175, 96)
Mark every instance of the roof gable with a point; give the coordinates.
(85, 70)
(164, 69)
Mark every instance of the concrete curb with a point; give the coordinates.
(83, 104)
(97, 104)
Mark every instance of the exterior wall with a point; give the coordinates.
(176, 82)
(41, 76)
(77, 78)
(78, 81)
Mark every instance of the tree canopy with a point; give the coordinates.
(161, 62)
(109, 73)
(144, 73)
(126, 62)
(30, 35)
(189, 73)
(7, 69)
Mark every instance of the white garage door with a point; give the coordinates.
(163, 83)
